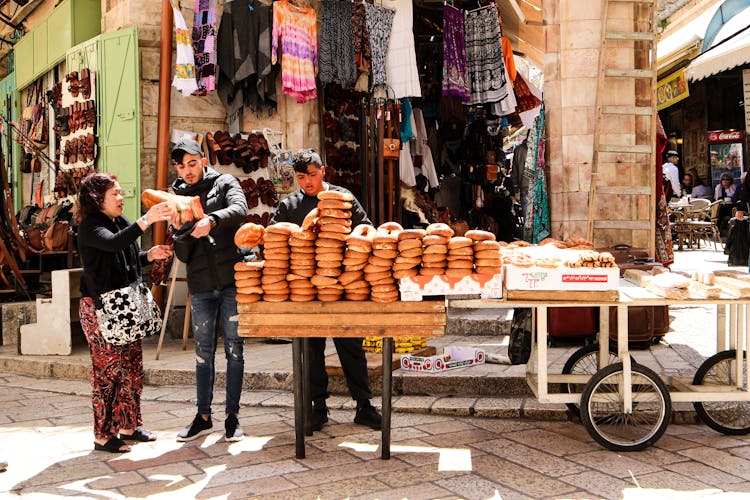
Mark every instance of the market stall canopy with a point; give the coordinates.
(730, 48)
(683, 43)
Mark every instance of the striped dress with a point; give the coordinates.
(295, 33)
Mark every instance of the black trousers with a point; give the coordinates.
(353, 363)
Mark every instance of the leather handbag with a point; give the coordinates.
(391, 149)
(128, 314)
(56, 236)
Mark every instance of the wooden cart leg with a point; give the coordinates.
(299, 419)
(167, 307)
(306, 388)
(385, 430)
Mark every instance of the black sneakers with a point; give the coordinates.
(319, 415)
(198, 427)
(367, 415)
(232, 429)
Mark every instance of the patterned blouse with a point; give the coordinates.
(297, 29)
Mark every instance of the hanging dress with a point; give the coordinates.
(537, 223)
(336, 52)
(484, 56)
(295, 33)
(379, 22)
(455, 75)
(401, 63)
(204, 45)
(184, 70)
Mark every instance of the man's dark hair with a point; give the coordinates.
(305, 157)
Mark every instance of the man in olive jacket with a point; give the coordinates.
(207, 247)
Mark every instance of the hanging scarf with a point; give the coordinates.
(204, 44)
(455, 74)
(379, 23)
(664, 246)
(184, 72)
(537, 224)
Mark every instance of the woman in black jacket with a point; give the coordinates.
(111, 259)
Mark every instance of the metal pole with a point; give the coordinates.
(306, 389)
(385, 430)
(299, 417)
(162, 128)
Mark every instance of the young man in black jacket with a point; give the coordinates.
(309, 171)
(207, 247)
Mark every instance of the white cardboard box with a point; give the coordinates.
(457, 357)
(573, 278)
(488, 286)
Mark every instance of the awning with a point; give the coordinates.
(730, 49)
(684, 40)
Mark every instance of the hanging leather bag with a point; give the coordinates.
(56, 236)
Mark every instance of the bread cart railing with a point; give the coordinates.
(303, 320)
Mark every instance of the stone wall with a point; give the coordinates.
(573, 43)
(197, 114)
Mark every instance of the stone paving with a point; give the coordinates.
(46, 435)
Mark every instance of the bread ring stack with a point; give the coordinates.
(358, 251)
(276, 252)
(379, 269)
(247, 278)
(486, 252)
(301, 266)
(435, 256)
(334, 223)
(460, 257)
(410, 252)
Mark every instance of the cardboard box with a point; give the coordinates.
(453, 357)
(488, 286)
(573, 278)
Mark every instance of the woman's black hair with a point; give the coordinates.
(92, 191)
(727, 176)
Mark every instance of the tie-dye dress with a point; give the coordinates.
(295, 33)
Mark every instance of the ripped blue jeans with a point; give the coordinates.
(211, 312)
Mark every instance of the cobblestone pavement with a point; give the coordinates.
(46, 435)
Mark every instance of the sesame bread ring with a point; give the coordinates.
(380, 261)
(348, 277)
(384, 281)
(249, 289)
(385, 245)
(335, 228)
(320, 280)
(407, 260)
(272, 270)
(353, 261)
(304, 272)
(310, 219)
(467, 258)
(384, 288)
(434, 239)
(391, 226)
(433, 257)
(301, 298)
(279, 285)
(463, 251)
(408, 244)
(386, 235)
(497, 262)
(252, 265)
(335, 195)
(357, 297)
(335, 213)
(275, 244)
(324, 233)
(369, 277)
(487, 254)
(355, 267)
(460, 242)
(244, 283)
(488, 270)
(249, 235)
(299, 242)
(357, 285)
(331, 272)
(273, 297)
(247, 275)
(408, 234)
(432, 271)
(338, 204)
(282, 228)
(479, 235)
(300, 284)
(276, 264)
(302, 262)
(486, 245)
(440, 229)
(329, 242)
(334, 220)
(438, 264)
(329, 264)
(247, 298)
(405, 273)
(272, 278)
(384, 254)
(364, 231)
(275, 238)
(412, 252)
(441, 249)
(460, 264)
(458, 272)
(370, 268)
(403, 267)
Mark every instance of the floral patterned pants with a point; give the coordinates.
(116, 378)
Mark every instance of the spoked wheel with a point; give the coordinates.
(585, 361)
(603, 404)
(727, 417)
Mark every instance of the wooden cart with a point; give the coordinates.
(626, 406)
(303, 320)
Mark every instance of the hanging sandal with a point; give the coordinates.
(140, 435)
(113, 445)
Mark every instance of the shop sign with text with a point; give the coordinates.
(725, 136)
(671, 89)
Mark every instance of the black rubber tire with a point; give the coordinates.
(717, 414)
(647, 421)
(584, 361)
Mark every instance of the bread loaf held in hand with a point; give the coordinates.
(249, 235)
(189, 207)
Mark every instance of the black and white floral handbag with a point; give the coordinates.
(128, 314)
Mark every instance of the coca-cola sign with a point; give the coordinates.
(724, 136)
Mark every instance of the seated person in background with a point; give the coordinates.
(700, 190)
(726, 190)
(687, 183)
